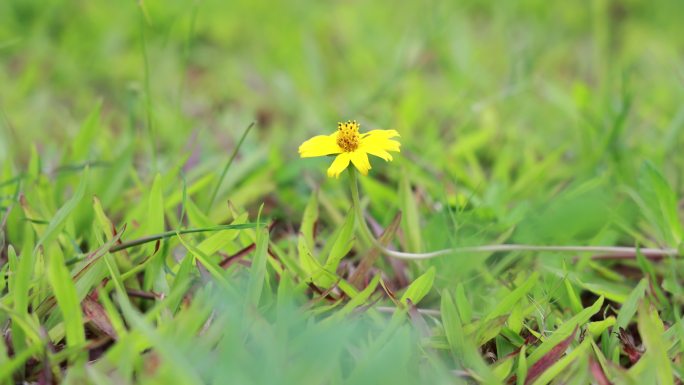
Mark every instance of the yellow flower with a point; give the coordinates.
(351, 146)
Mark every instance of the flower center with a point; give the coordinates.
(348, 135)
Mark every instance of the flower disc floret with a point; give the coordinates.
(348, 136)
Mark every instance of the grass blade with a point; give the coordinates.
(214, 193)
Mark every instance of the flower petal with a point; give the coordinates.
(339, 164)
(319, 146)
(381, 133)
(360, 160)
(378, 143)
(379, 153)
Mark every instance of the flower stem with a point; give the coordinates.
(366, 233)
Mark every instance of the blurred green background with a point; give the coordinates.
(521, 121)
(453, 77)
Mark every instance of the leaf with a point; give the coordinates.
(82, 143)
(341, 244)
(35, 167)
(96, 314)
(57, 222)
(307, 262)
(461, 348)
(550, 358)
(111, 311)
(453, 328)
(565, 330)
(612, 292)
(659, 204)
(488, 330)
(521, 372)
(19, 289)
(93, 271)
(651, 330)
(648, 270)
(179, 367)
(198, 185)
(575, 302)
(516, 319)
(257, 273)
(154, 278)
(506, 304)
(465, 310)
(111, 183)
(195, 216)
(67, 298)
(206, 261)
(598, 373)
(221, 239)
(419, 288)
(309, 220)
(109, 231)
(155, 208)
(503, 368)
(561, 364)
(512, 337)
(357, 300)
(595, 329)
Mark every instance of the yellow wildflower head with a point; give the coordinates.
(351, 146)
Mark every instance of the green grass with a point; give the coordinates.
(157, 225)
